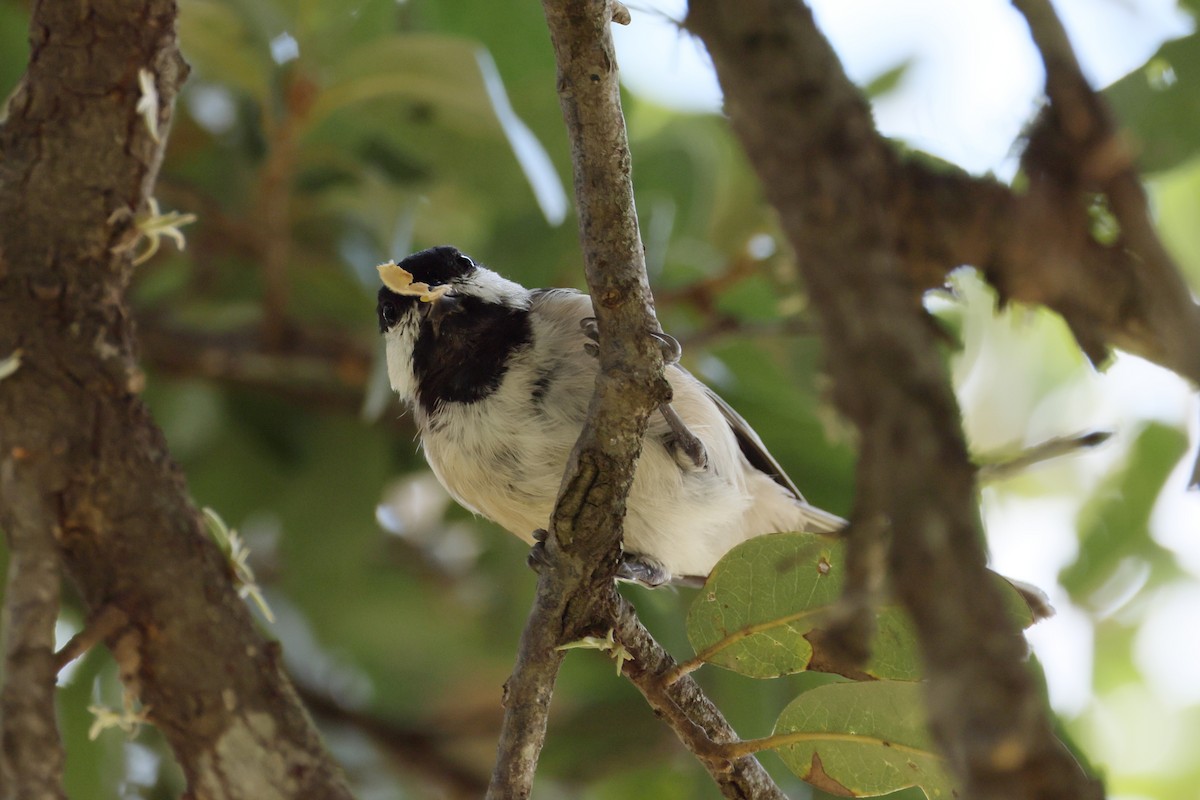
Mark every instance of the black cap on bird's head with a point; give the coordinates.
(437, 266)
(450, 326)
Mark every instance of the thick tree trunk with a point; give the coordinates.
(84, 471)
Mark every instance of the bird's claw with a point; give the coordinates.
(686, 448)
(688, 451)
(640, 569)
(538, 557)
(669, 345)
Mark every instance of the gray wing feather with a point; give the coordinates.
(760, 458)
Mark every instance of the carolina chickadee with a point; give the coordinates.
(499, 378)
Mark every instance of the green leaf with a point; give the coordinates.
(452, 80)
(765, 599)
(14, 47)
(1160, 104)
(223, 48)
(760, 601)
(887, 81)
(862, 739)
(1176, 203)
(1114, 527)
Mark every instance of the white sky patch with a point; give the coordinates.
(1031, 540)
(663, 63)
(1166, 649)
(974, 77)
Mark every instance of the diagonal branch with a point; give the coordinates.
(1161, 320)
(1037, 246)
(681, 703)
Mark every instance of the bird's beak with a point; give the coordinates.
(437, 309)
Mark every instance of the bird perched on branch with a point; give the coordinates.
(499, 378)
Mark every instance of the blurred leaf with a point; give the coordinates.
(452, 78)
(14, 48)
(662, 781)
(324, 31)
(1176, 200)
(764, 599)
(887, 81)
(861, 739)
(224, 49)
(1160, 104)
(1114, 525)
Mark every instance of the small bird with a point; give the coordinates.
(499, 378)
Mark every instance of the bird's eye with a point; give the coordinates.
(389, 315)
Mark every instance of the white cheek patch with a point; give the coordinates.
(399, 342)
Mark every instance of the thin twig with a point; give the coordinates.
(993, 468)
(417, 749)
(575, 589)
(101, 626)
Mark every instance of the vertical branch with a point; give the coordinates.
(809, 135)
(575, 588)
(31, 753)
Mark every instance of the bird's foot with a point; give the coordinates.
(538, 557)
(685, 447)
(642, 569)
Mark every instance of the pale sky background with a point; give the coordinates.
(955, 49)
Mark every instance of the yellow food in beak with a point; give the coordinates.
(400, 281)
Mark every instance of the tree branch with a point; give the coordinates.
(326, 369)
(575, 590)
(1156, 316)
(418, 750)
(79, 153)
(681, 703)
(31, 763)
(809, 135)
(1037, 246)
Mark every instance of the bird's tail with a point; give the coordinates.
(817, 520)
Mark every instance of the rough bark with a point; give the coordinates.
(86, 471)
(575, 591)
(840, 191)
